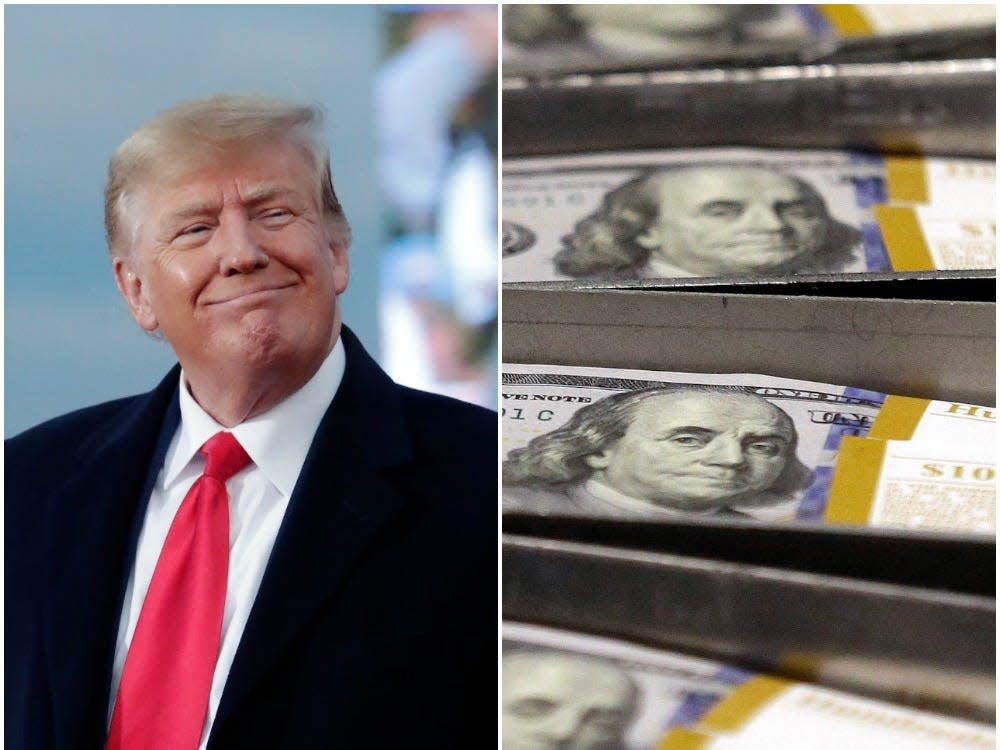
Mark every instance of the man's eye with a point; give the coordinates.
(276, 215)
(723, 209)
(765, 447)
(193, 230)
(532, 707)
(798, 211)
(688, 441)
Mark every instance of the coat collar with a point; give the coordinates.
(95, 520)
(339, 506)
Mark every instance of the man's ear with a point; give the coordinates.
(341, 264)
(131, 287)
(651, 239)
(598, 460)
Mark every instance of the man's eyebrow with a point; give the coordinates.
(689, 428)
(193, 210)
(781, 432)
(722, 203)
(254, 196)
(257, 194)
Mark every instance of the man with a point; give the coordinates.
(709, 221)
(680, 451)
(553, 700)
(277, 547)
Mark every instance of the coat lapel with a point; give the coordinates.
(92, 533)
(339, 506)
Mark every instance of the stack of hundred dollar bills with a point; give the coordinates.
(740, 213)
(576, 692)
(544, 38)
(636, 444)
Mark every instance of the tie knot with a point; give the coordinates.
(224, 456)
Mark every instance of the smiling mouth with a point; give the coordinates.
(250, 294)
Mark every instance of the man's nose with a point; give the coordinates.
(238, 249)
(723, 451)
(762, 217)
(562, 727)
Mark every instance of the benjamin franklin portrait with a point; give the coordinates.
(625, 29)
(674, 450)
(553, 700)
(714, 220)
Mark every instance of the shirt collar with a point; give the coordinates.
(276, 441)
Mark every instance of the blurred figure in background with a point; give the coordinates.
(436, 120)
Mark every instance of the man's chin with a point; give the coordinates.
(781, 264)
(253, 344)
(773, 263)
(705, 503)
(692, 505)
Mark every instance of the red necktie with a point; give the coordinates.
(163, 696)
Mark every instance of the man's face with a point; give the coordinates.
(234, 263)
(558, 703)
(697, 451)
(733, 220)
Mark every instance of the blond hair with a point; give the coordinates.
(205, 129)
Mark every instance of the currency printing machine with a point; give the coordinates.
(902, 615)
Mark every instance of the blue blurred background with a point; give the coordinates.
(80, 78)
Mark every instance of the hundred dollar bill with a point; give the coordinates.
(555, 38)
(635, 443)
(874, 19)
(922, 420)
(577, 692)
(578, 37)
(915, 484)
(767, 713)
(567, 690)
(928, 238)
(738, 212)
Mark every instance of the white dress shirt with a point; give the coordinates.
(277, 442)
